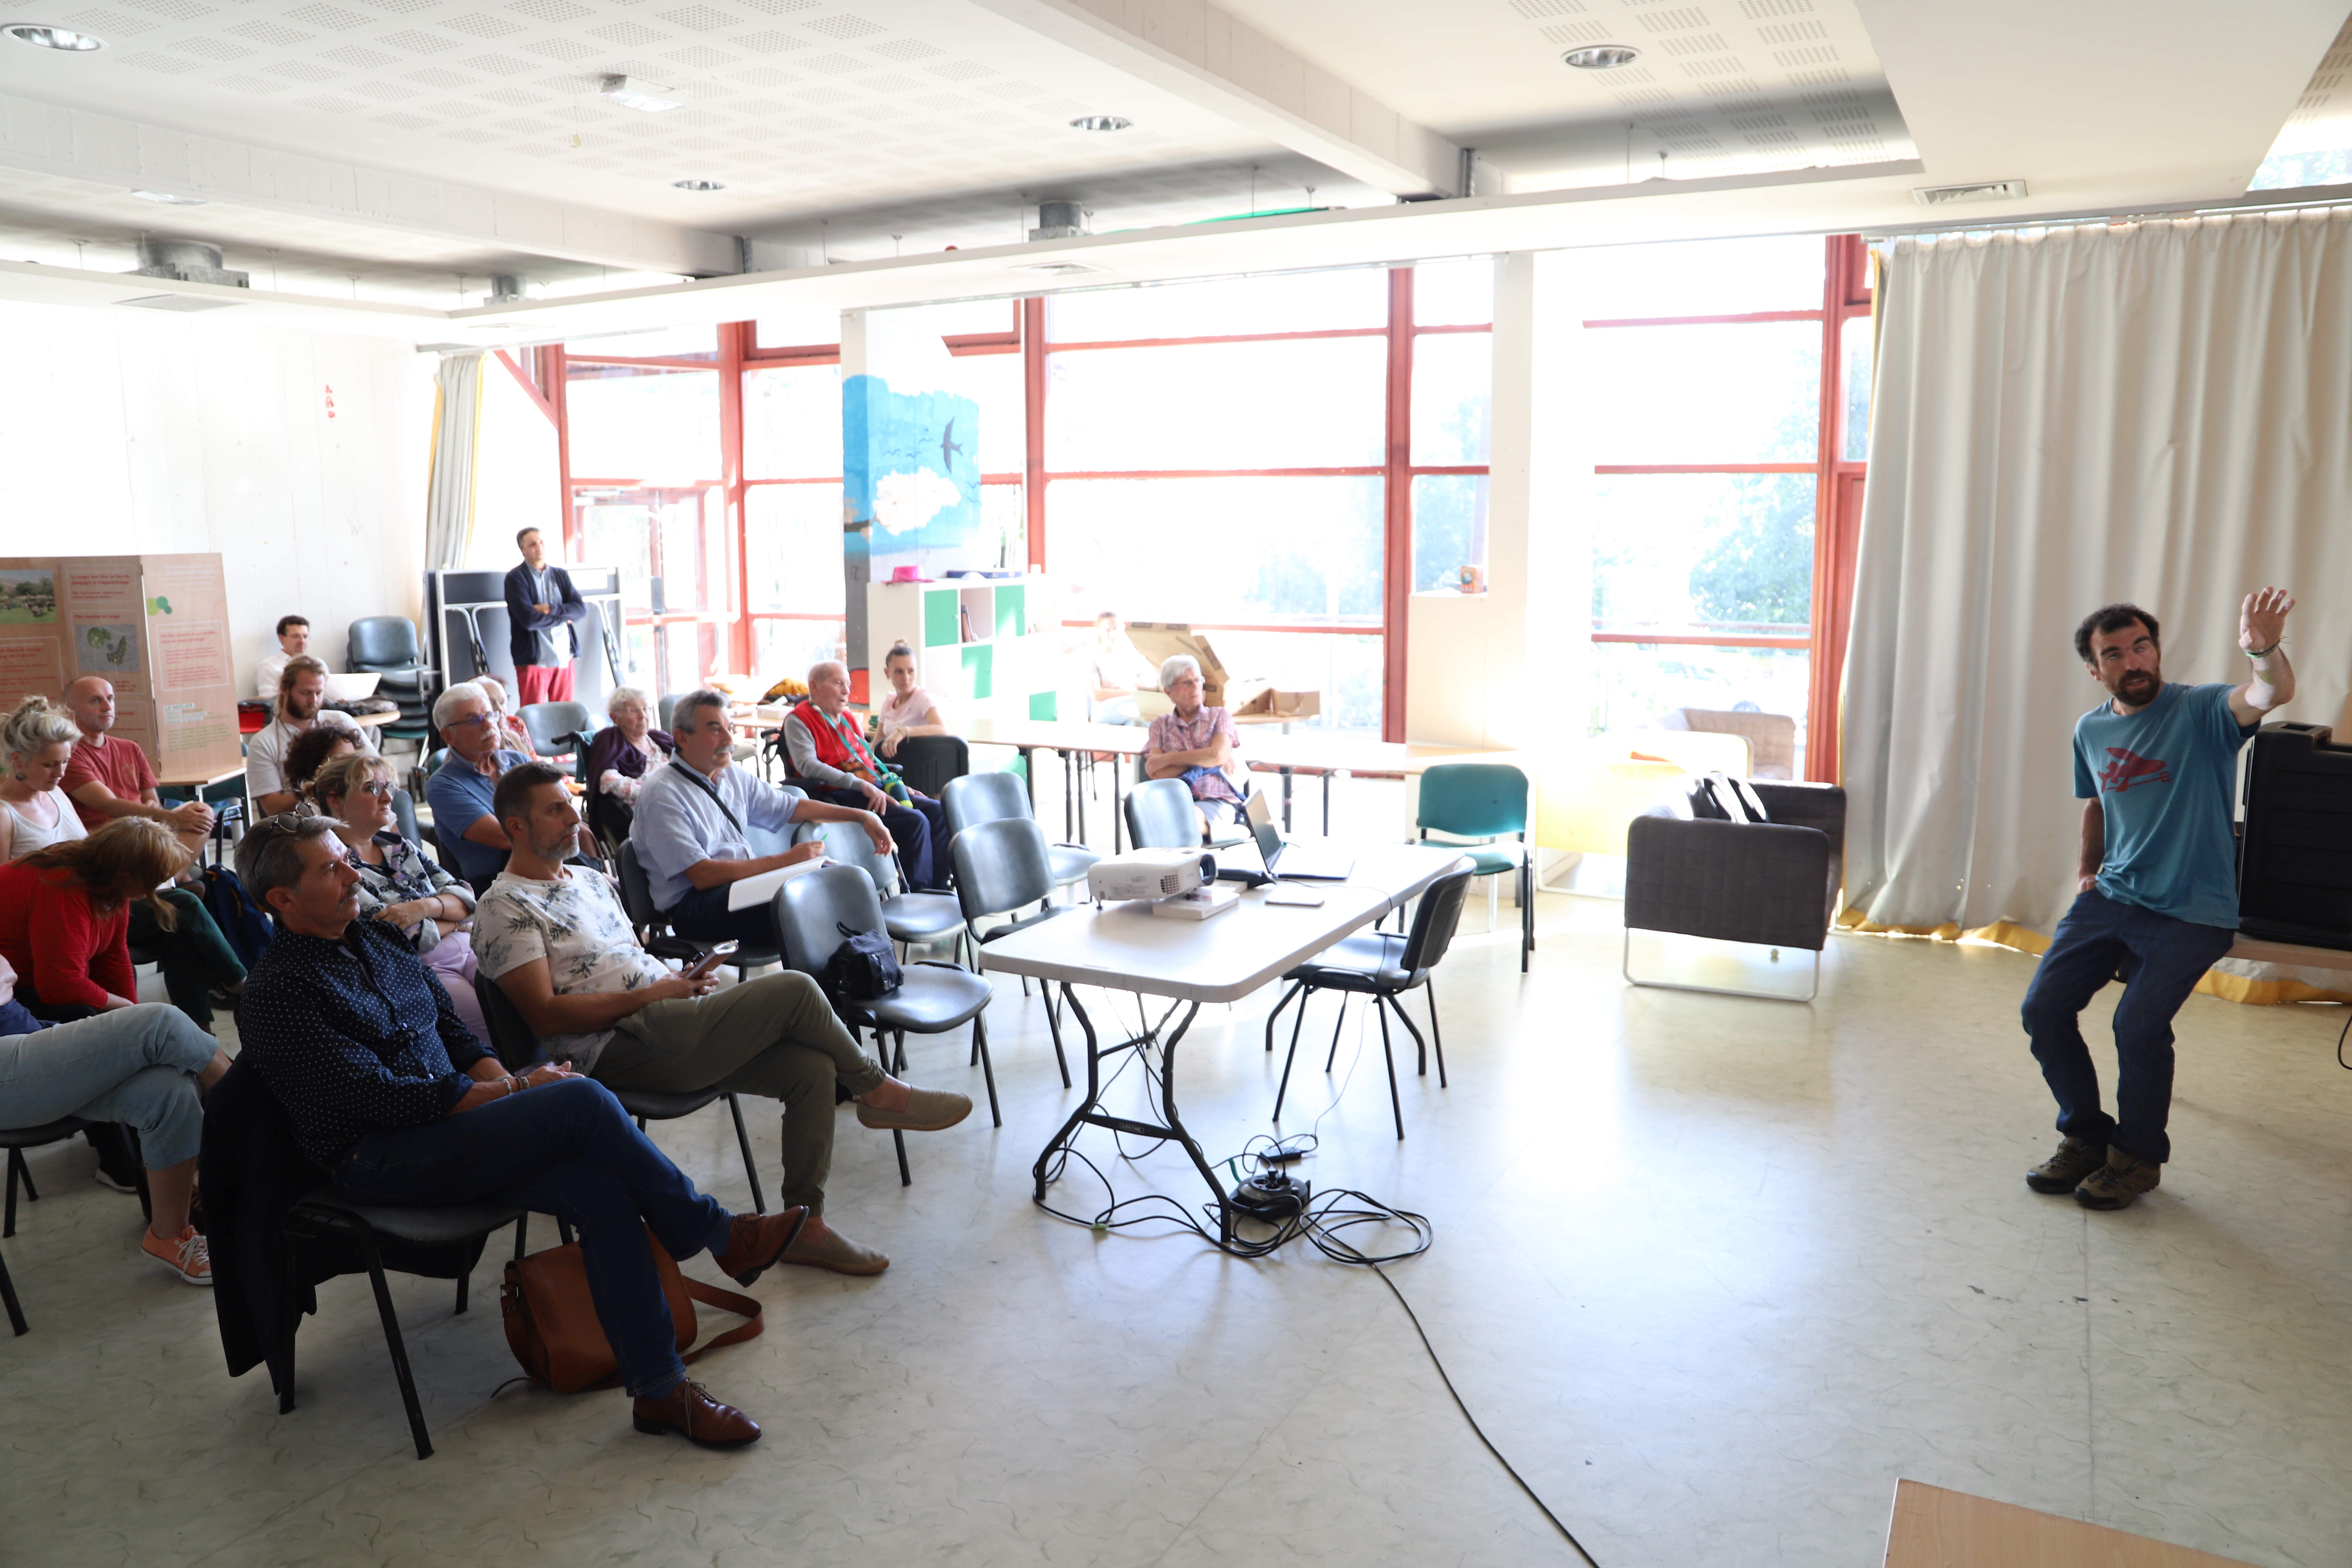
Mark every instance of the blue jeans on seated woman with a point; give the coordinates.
(135, 1066)
(566, 1149)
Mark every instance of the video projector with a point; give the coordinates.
(1150, 874)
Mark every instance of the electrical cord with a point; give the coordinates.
(1322, 1222)
(2340, 1043)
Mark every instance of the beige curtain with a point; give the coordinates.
(456, 436)
(2158, 411)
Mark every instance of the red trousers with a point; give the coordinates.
(544, 683)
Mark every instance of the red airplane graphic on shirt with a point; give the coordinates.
(2130, 768)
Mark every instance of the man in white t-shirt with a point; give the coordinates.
(293, 641)
(557, 943)
(301, 688)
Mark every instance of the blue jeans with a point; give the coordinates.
(920, 830)
(2164, 959)
(566, 1149)
(137, 1066)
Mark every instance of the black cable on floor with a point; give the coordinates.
(1566, 1534)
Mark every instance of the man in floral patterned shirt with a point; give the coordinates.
(555, 939)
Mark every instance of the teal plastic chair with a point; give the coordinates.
(1481, 802)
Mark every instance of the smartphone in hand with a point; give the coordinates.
(712, 960)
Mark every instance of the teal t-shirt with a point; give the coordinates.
(2164, 778)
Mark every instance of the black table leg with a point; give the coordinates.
(1070, 796)
(1285, 799)
(1090, 1114)
(1029, 777)
(1326, 801)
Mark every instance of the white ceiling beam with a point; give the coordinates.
(1212, 58)
(2121, 103)
(79, 144)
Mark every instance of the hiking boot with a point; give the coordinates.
(2063, 1172)
(2115, 1183)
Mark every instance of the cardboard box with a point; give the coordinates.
(155, 625)
(1243, 697)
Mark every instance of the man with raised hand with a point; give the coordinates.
(2157, 886)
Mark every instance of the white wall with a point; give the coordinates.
(300, 456)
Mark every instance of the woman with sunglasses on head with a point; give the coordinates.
(400, 884)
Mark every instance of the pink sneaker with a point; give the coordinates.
(186, 1255)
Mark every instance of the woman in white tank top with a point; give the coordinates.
(37, 739)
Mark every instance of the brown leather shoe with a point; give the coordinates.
(755, 1241)
(690, 1412)
(819, 1246)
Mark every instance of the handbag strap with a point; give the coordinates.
(726, 1301)
(707, 787)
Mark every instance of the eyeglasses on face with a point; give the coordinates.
(378, 788)
(482, 718)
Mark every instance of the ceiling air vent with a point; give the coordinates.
(1982, 191)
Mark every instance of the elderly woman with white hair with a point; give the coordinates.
(1195, 743)
(830, 760)
(614, 767)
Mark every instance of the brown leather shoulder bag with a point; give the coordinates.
(551, 1323)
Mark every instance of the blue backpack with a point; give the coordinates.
(246, 923)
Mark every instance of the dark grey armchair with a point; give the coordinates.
(1691, 869)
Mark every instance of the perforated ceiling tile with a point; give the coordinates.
(358, 57)
(696, 143)
(991, 116)
(1818, 55)
(177, 10)
(1759, 9)
(212, 48)
(389, 92)
(833, 65)
(439, 78)
(561, 48)
(701, 18)
(550, 10)
(1694, 44)
(1791, 32)
(482, 25)
(905, 50)
(960, 70)
(1681, 19)
(402, 7)
(498, 65)
(417, 41)
(331, 17)
(780, 7)
(459, 107)
(111, 21)
(170, 64)
(1536, 9)
(328, 104)
(1825, 77)
(518, 97)
(1012, 90)
(302, 70)
(843, 26)
(703, 55)
(474, 133)
(1577, 33)
(592, 162)
(253, 84)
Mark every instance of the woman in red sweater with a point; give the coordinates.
(65, 916)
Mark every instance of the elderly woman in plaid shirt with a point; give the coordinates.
(1195, 744)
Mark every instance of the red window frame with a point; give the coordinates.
(1837, 498)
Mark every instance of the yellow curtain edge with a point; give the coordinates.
(2243, 989)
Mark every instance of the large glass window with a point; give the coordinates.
(644, 423)
(1305, 402)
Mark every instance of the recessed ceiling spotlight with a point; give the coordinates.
(45, 37)
(1100, 123)
(698, 185)
(1602, 56)
(168, 199)
(635, 92)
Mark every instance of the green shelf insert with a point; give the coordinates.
(940, 618)
(1045, 707)
(1010, 606)
(979, 671)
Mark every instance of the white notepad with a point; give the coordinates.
(759, 890)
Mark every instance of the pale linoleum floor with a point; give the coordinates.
(1714, 1272)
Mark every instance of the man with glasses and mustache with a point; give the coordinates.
(461, 789)
(2155, 768)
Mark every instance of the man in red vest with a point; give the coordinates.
(830, 761)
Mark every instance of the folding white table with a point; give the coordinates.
(1126, 947)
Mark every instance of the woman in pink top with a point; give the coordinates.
(908, 709)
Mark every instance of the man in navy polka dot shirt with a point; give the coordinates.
(356, 1038)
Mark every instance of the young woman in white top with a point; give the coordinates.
(908, 709)
(38, 739)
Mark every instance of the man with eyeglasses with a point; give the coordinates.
(461, 790)
(690, 826)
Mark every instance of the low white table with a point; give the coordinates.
(1125, 947)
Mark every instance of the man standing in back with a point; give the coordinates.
(543, 610)
(2155, 768)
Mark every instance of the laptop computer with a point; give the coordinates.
(1276, 861)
